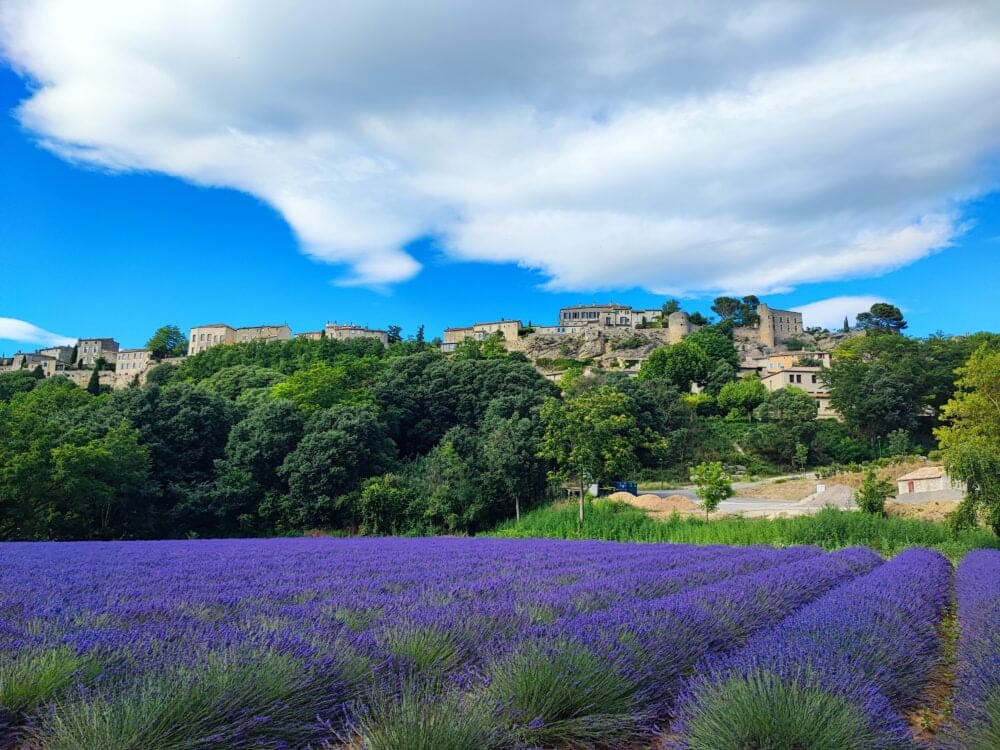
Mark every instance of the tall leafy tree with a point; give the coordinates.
(882, 317)
(591, 437)
(341, 446)
(681, 365)
(742, 396)
(167, 341)
(970, 436)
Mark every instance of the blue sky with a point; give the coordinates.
(104, 232)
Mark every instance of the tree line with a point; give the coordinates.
(353, 437)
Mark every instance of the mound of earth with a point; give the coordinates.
(933, 510)
(657, 505)
(625, 497)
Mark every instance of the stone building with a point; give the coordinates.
(62, 353)
(777, 326)
(806, 379)
(508, 329)
(345, 332)
(132, 363)
(611, 315)
(89, 351)
(927, 479)
(207, 336)
(263, 333)
(30, 360)
(771, 363)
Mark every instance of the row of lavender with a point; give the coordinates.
(836, 674)
(976, 720)
(478, 627)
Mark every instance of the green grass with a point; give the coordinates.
(229, 701)
(829, 528)
(560, 695)
(763, 712)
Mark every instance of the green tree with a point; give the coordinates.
(718, 346)
(342, 446)
(898, 443)
(232, 382)
(322, 385)
(167, 341)
(847, 326)
(712, 484)
(697, 319)
(801, 455)
(592, 436)
(96, 486)
(726, 307)
(789, 407)
(882, 317)
(742, 396)
(395, 334)
(872, 492)
(94, 384)
(510, 466)
(17, 381)
(670, 307)
(681, 365)
(384, 506)
(970, 436)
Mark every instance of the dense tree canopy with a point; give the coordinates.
(281, 437)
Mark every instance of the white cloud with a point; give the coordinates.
(830, 313)
(683, 147)
(13, 329)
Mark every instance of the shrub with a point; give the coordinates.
(764, 712)
(872, 493)
(423, 650)
(231, 700)
(422, 717)
(559, 694)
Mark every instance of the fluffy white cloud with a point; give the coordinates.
(683, 147)
(13, 329)
(830, 313)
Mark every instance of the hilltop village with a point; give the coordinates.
(774, 344)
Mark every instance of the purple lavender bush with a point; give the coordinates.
(975, 723)
(833, 675)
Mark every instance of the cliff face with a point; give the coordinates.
(608, 348)
(625, 348)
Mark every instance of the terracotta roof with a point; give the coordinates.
(926, 472)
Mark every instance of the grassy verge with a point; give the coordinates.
(830, 529)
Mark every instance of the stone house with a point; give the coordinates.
(342, 332)
(927, 479)
(508, 329)
(88, 351)
(132, 363)
(806, 379)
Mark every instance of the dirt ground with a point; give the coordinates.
(933, 510)
(798, 489)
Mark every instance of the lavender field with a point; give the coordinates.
(483, 643)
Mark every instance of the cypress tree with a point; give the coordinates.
(94, 386)
(847, 326)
